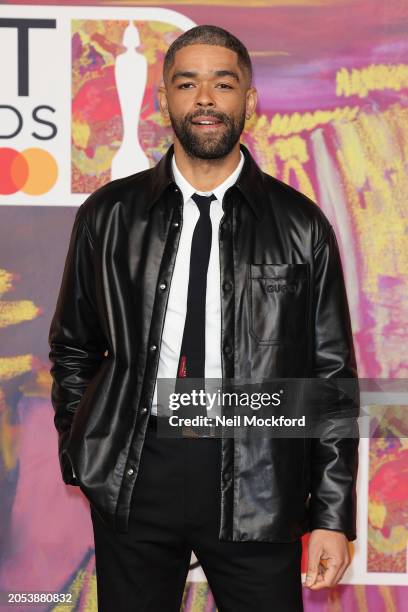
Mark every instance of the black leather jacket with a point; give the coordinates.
(106, 333)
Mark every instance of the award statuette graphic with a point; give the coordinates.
(130, 157)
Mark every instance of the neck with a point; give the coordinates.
(205, 174)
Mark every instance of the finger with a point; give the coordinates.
(311, 577)
(340, 572)
(328, 578)
(314, 553)
(343, 563)
(322, 569)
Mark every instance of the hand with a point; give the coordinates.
(328, 558)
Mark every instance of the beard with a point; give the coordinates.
(213, 144)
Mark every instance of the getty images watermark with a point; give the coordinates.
(226, 408)
(211, 401)
(280, 407)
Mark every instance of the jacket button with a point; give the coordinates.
(227, 285)
(162, 286)
(130, 471)
(176, 189)
(176, 223)
(153, 348)
(224, 228)
(144, 410)
(227, 349)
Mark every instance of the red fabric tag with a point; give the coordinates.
(182, 373)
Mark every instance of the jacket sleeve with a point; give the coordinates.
(75, 338)
(334, 446)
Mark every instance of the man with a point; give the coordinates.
(203, 261)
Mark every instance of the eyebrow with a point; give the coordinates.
(193, 73)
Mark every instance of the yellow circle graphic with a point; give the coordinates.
(43, 171)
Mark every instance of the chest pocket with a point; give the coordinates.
(278, 301)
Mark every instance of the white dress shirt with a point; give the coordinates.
(177, 301)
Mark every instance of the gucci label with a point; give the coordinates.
(281, 287)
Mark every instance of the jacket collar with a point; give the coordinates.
(250, 181)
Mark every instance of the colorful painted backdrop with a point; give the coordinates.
(79, 109)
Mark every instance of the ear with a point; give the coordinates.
(162, 99)
(251, 101)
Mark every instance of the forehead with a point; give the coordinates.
(205, 58)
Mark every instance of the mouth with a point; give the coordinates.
(208, 123)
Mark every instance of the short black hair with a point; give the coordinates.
(209, 35)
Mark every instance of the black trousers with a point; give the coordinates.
(176, 509)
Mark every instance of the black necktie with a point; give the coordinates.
(192, 354)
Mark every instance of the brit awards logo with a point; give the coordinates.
(79, 98)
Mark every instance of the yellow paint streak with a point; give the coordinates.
(159, 26)
(9, 435)
(294, 168)
(293, 153)
(286, 125)
(261, 144)
(90, 601)
(6, 281)
(395, 543)
(288, 148)
(12, 313)
(386, 594)
(80, 134)
(101, 162)
(352, 151)
(15, 366)
(360, 594)
(376, 77)
(39, 385)
(377, 513)
(9, 445)
(74, 589)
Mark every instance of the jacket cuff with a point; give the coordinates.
(349, 532)
(67, 470)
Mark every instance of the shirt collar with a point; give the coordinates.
(251, 183)
(187, 189)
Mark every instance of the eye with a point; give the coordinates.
(222, 84)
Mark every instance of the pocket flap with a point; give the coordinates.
(282, 270)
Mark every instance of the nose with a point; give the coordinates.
(204, 97)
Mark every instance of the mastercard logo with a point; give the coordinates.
(32, 171)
